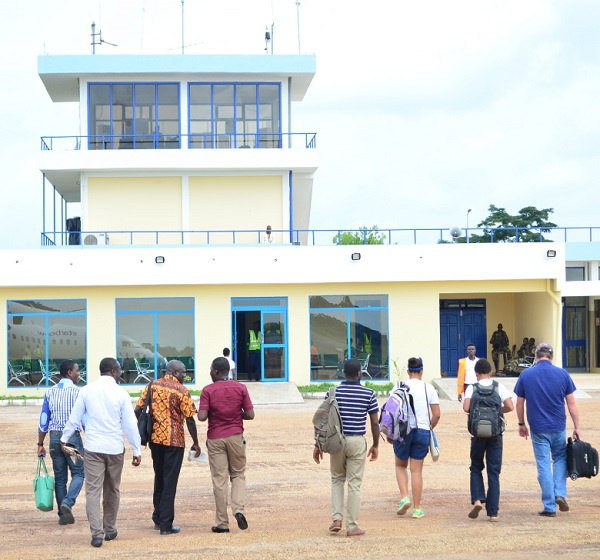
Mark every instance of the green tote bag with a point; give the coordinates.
(43, 487)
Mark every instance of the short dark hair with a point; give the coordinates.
(415, 364)
(66, 366)
(226, 352)
(220, 365)
(107, 365)
(352, 367)
(483, 366)
(470, 344)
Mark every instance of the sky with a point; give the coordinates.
(423, 110)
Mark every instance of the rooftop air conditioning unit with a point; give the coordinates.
(95, 239)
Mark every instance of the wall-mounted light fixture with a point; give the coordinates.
(159, 260)
(355, 256)
(551, 253)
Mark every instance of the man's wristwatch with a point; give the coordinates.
(521, 423)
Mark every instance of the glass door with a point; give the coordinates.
(274, 348)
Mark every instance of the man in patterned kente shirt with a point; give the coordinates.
(170, 403)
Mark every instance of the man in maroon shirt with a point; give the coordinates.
(226, 404)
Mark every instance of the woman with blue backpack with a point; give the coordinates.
(411, 450)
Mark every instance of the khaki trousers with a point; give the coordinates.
(348, 464)
(227, 460)
(102, 477)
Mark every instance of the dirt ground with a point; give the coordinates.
(288, 502)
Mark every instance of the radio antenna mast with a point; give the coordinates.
(98, 40)
(298, 20)
(182, 28)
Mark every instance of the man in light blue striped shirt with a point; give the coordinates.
(354, 401)
(58, 403)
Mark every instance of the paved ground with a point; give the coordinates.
(288, 502)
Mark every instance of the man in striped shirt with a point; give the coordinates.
(355, 401)
(58, 402)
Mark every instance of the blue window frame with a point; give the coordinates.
(345, 327)
(40, 335)
(234, 115)
(150, 333)
(133, 115)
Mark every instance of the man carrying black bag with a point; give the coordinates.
(170, 402)
(546, 388)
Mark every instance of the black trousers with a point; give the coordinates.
(167, 464)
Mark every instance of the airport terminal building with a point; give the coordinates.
(178, 164)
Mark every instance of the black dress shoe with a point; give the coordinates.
(219, 530)
(111, 536)
(67, 512)
(172, 531)
(241, 520)
(62, 521)
(546, 513)
(97, 542)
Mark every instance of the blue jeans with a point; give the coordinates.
(61, 464)
(550, 450)
(491, 449)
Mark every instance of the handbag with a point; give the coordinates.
(145, 420)
(43, 488)
(434, 448)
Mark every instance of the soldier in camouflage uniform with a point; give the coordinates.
(500, 344)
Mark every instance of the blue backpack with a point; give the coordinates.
(393, 421)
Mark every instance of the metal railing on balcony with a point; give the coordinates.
(257, 140)
(315, 237)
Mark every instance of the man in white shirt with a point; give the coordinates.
(108, 413)
(232, 372)
(490, 448)
(466, 371)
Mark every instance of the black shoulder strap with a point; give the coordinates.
(148, 401)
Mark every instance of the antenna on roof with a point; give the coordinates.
(298, 20)
(182, 28)
(98, 40)
(269, 35)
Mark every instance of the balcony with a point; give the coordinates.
(314, 237)
(259, 140)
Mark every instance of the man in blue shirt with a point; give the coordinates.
(355, 401)
(545, 387)
(58, 402)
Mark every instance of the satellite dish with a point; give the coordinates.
(455, 232)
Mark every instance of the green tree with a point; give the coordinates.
(526, 226)
(362, 236)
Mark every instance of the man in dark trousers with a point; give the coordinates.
(254, 352)
(489, 449)
(170, 403)
(226, 404)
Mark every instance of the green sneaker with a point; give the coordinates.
(403, 506)
(418, 513)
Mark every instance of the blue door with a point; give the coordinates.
(462, 322)
(574, 333)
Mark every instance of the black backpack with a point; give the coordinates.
(485, 413)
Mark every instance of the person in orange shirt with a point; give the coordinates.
(170, 405)
(466, 371)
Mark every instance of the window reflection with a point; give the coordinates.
(354, 330)
(150, 333)
(41, 334)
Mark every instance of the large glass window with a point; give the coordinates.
(41, 334)
(151, 332)
(228, 115)
(344, 327)
(131, 115)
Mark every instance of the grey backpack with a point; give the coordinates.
(329, 435)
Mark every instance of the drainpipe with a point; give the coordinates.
(558, 303)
